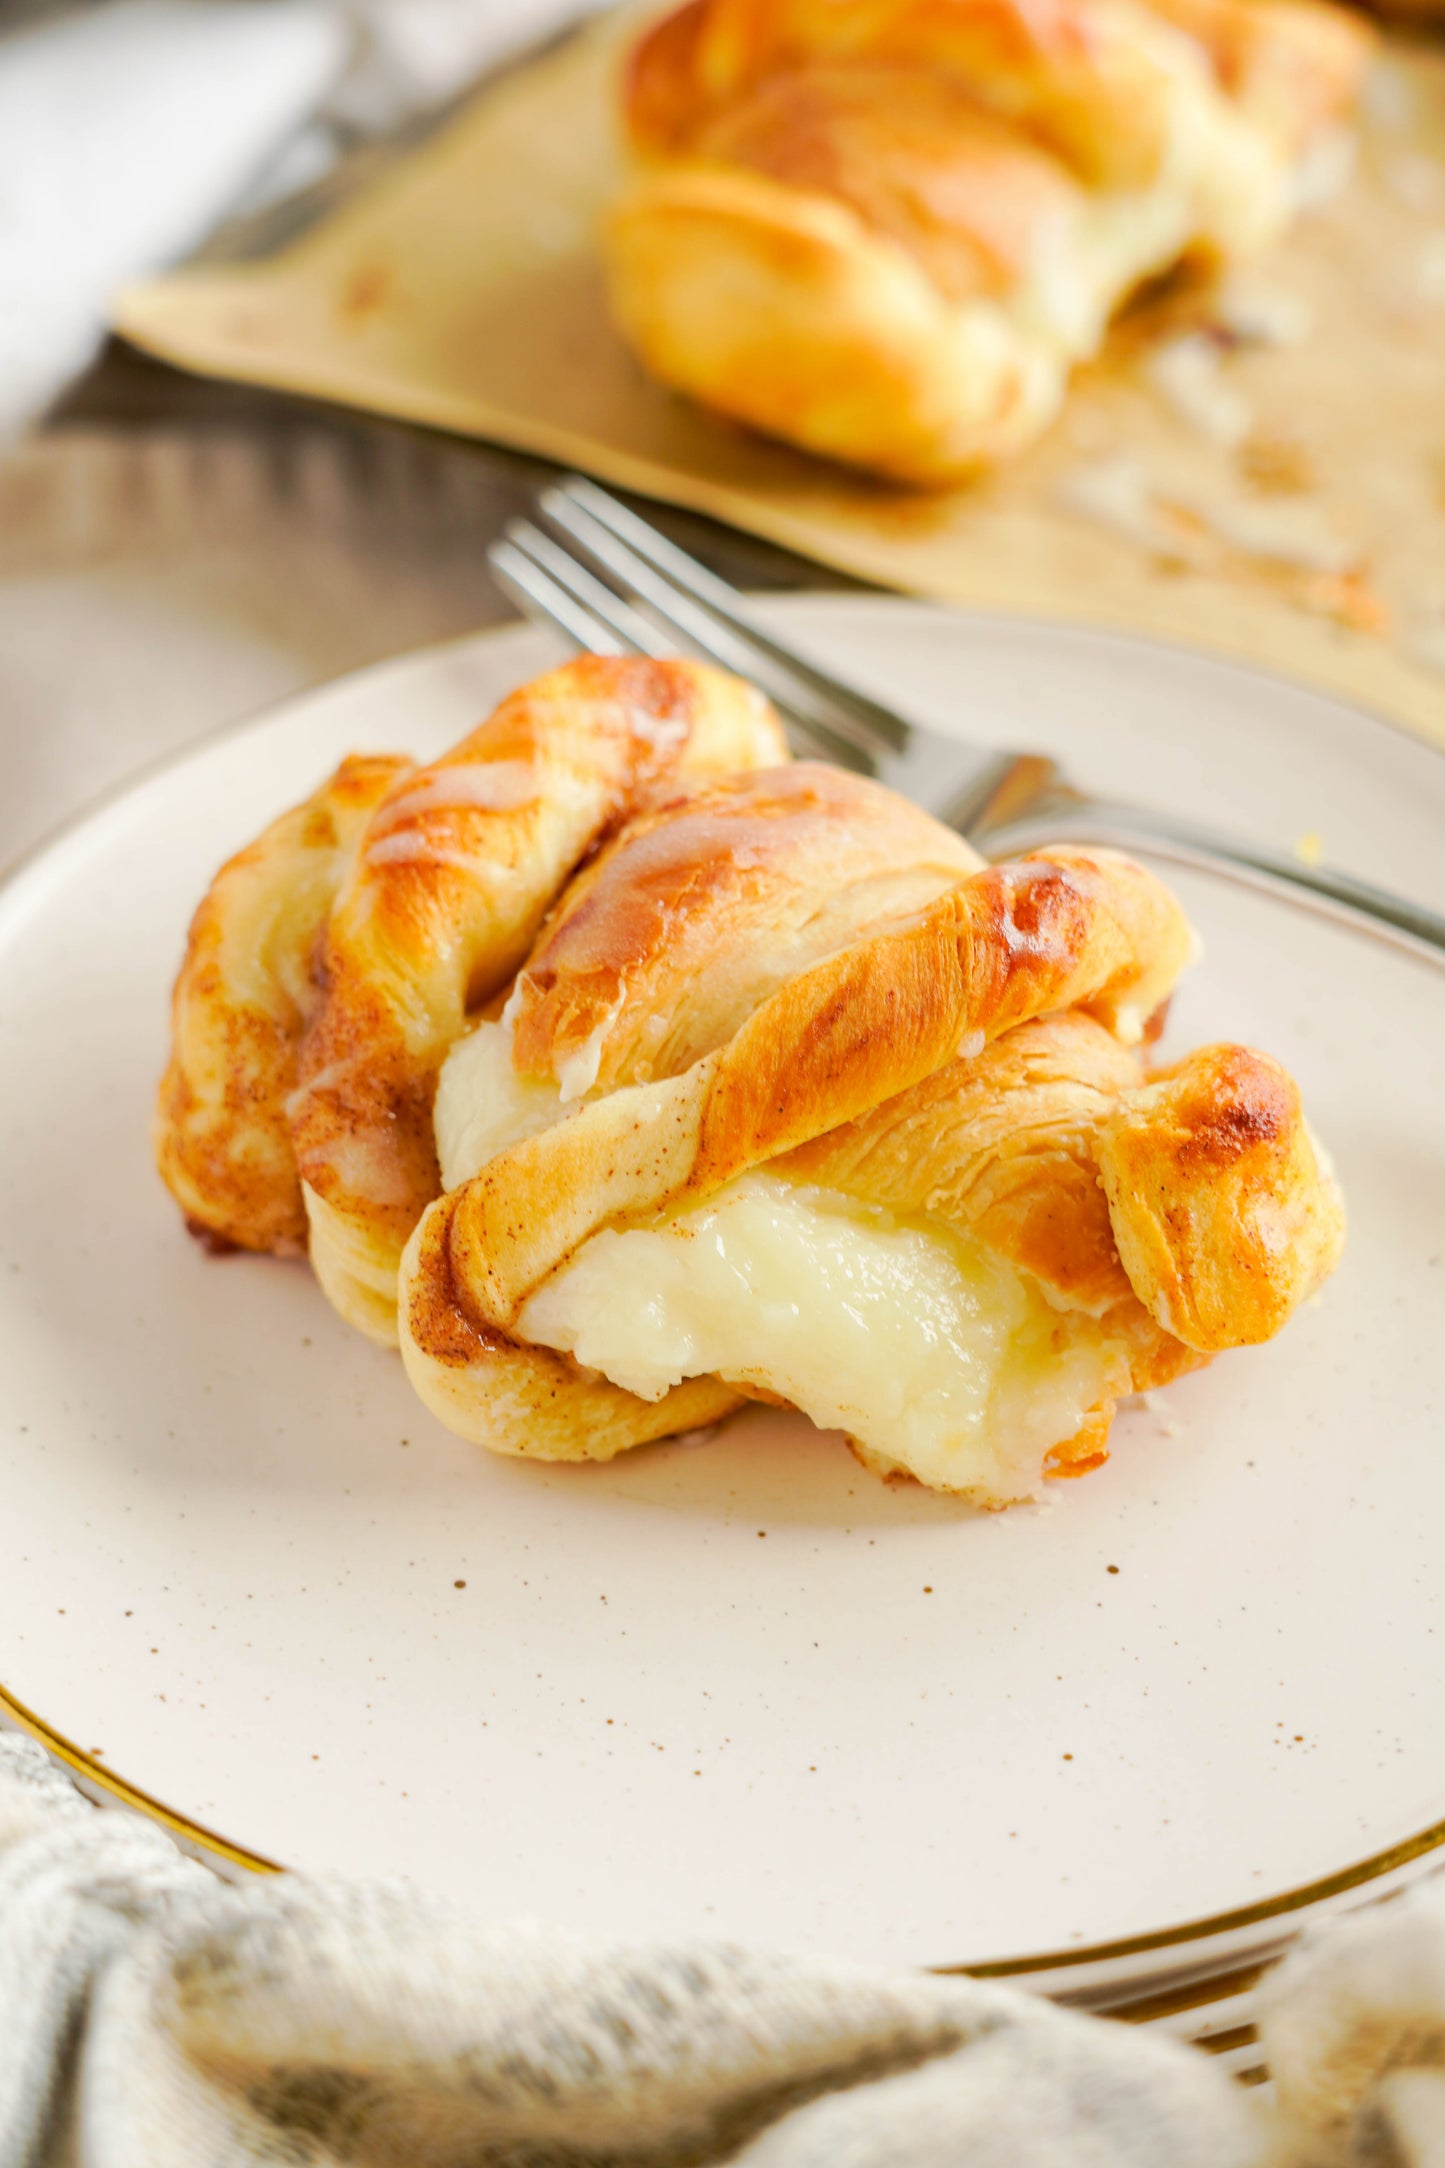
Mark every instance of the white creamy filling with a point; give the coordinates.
(1121, 238)
(1222, 181)
(482, 1105)
(922, 1343)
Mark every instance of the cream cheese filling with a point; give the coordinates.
(928, 1347)
(482, 1105)
(924, 1345)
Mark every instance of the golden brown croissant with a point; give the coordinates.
(885, 231)
(370, 921)
(872, 1142)
(791, 1099)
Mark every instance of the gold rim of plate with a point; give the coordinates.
(1204, 1928)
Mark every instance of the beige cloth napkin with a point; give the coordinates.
(1276, 490)
(152, 2016)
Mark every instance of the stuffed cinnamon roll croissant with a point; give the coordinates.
(886, 231)
(629, 1074)
(796, 1101)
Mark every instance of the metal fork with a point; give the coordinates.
(612, 583)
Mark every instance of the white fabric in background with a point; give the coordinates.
(130, 129)
(125, 133)
(153, 2016)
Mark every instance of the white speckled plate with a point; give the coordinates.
(738, 1685)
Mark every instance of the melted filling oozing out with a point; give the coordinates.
(922, 1343)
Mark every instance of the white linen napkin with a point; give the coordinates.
(153, 2016)
(125, 131)
(129, 130)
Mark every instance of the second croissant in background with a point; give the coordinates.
(887, 231)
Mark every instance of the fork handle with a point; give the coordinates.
(1094, 820)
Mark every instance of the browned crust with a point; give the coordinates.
(1065, 70)
(1068, 928)
(454, 875)
(1060, 68)
(788, 967)
(1087, 1450)
(1074, 928)
(1001, 1145)
(781, 307)
(241, 998)
(660, 89)
(704, 906)
(1297, 64)
(1223, 1213)
(1047, 1143)
(968, 197)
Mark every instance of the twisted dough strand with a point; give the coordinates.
(454, 875)
(1199, 1197)
(786, 968)
(1090, 78)
(1003, 1145)
(1071, 929)
(1210, 1173)
(244, 992)
(517, 1398)
(1224, 1210)
(668, 941)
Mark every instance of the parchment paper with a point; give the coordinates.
(462, 289)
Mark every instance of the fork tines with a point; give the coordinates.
(611, 582)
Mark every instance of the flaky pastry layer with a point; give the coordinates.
(242, 999)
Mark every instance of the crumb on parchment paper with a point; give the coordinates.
(1276, 466)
